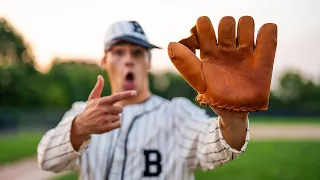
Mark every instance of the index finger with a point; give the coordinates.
(117, 97)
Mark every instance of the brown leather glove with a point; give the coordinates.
(233, 72)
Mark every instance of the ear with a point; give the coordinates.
(149, 60)
(103, 60)
(149, 64)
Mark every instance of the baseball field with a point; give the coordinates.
(279, 150)
(268, 160)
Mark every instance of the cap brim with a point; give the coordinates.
(132, 40)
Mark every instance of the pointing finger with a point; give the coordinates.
(112, 109)
(117, 97)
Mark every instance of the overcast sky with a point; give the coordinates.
(76, 28)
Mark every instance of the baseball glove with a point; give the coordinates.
(233, 73)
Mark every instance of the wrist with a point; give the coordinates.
(78, 134)
(78, 130)
(230, 116)
(234, 116)
(233, 121)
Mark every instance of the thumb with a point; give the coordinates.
(97, 90)
(188, 64)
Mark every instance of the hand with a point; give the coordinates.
(100, 115)
(233, 73)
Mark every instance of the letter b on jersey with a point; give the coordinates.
(153, 163)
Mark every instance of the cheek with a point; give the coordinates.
(113, 69)
(143, 66)
(143, 70)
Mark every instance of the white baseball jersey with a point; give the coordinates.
(158, 139)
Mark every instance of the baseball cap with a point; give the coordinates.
(129, 31)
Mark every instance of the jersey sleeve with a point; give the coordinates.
(200, 141)
(55, 152)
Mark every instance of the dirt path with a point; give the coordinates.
(284, 131)
(28, 169)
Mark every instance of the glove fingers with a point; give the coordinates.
(191, 42)
(227, 32)
(188, 64)
(246, 34)
(266, 46)
(206, 36)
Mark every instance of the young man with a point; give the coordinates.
(134, 134)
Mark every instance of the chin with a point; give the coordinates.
(129, 89)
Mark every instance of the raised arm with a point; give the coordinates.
(232, 76)
(61, 148)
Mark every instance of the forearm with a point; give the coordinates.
(55, 151)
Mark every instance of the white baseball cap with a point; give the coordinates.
(129, 31)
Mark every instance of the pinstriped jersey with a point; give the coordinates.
(158, 139)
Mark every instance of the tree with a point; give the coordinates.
(13, 49)
(71, 81)
(298, 93)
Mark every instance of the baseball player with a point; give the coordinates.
(134, 134)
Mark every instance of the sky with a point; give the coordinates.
(76, 28)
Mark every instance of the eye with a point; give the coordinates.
(118, 52)
(137, 53)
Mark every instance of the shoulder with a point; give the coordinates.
(79, 105)
(174, 102)
(182, 101)
(155, 99)
(182, 105)
(76, 108)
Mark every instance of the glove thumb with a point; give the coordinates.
(188, 64)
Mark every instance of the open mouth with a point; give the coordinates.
(130, 77)
(129, 83)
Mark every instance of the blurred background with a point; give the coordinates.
(49, 58)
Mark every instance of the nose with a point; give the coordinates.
(128, 60)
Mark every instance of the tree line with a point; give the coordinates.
(23, 87)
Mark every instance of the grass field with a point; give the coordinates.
(11, 146)
(276, 160)
(273, 160)
(19, 146)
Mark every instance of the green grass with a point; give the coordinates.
(19, 146)
(263, 160)
(69, 176)
(276, 160)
